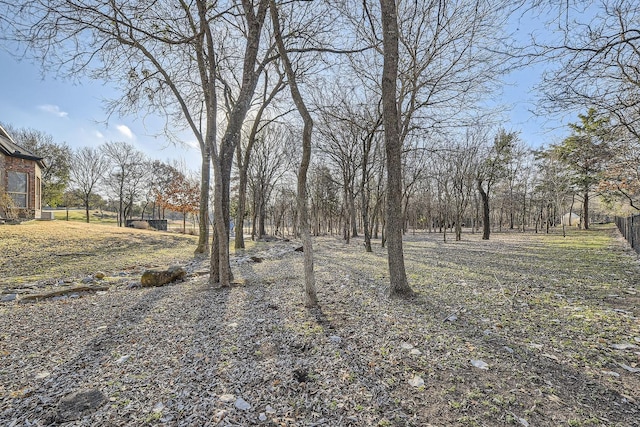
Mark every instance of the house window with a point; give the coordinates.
(17, 188)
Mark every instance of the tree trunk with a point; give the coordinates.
(486, 224)
(310, 297)
(585, 210)
(399, 286)
(203, 213)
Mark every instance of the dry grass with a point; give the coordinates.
(39, 250)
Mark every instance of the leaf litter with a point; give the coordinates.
(252, 354)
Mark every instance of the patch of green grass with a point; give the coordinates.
(38, 250)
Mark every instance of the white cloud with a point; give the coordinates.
(124, 130)
(99, 134)
(53, 109)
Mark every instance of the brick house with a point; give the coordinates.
(20, 180)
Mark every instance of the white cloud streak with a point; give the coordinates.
(53, 109)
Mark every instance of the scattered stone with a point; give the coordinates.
(451, 318)
(629, 368)
(227, 398)
(99, 275)
(416, 381)
(613, 374)
(415, 352)
(256, 259)
(242, 404)
(624, 346)
(299, 249)
(42, 375)
(479, 364)
(122, 359)
(335, 339)
(159, 407)
(152, 278)
(233, 325)
(9, 297)
(508, 349)
(406, 346)
(79, 404)
(262, 416)
(269, 410)
(88, 279)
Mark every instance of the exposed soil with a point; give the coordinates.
(535, 330)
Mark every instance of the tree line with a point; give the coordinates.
(383, 106)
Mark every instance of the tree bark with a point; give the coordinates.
(399, 286)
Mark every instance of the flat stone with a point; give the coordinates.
(242, 404)
(9, 297)
(79, 404)
(227, 398)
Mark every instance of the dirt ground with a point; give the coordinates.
(523, 329)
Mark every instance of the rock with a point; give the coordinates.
(629, 368)
(9, 297)
(451, 318)
(99, 275)
(87, 279)
(242, 404)
(416, 381)
(255, 259)
(42, 375)
(152, 278)
(406, 346)
(299, 249)
(262, 416)
(624, 346)
(335, 339)
(415, 352)
(79, 404)
(269, 410)
(122, 359)
(227, 398)
(479, 364)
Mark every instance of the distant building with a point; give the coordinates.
(571, 219)
(20, 180)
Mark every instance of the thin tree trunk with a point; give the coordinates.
(310, 297)
(486, 223)
(203, 213)
(399, 286)
(585, 210)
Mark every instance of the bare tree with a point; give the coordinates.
(310, 297)
(399, 286)
(127, 171)
(88, 166)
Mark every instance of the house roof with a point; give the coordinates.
(10, 148)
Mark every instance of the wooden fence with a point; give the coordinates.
(630, 229)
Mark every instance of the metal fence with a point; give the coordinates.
(630, 229)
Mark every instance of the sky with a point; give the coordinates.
(74, 113)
